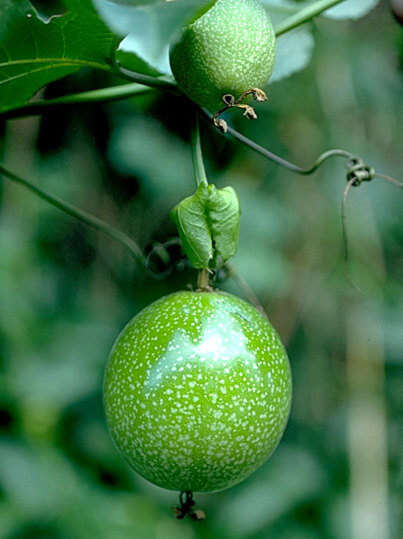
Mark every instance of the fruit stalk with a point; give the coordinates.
(203, 281)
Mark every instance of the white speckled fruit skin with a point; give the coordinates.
(197, 391)
(228, 50)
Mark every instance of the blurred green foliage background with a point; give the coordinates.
(66, 291)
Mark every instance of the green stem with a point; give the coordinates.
(197, 156)
(83, 216)
(140, 84)
(304, 15)
(114, 93)
(147, 80)
(203, 279)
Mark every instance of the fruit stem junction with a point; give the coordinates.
(186, 507)
(203, 281)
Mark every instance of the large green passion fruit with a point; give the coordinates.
(197, 391)
(229, 49)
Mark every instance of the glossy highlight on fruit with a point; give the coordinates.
(197, 391)
(227, 50)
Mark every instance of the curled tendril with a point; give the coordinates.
(357, 173)
(160, 252)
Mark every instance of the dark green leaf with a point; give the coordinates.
(35, 50)
(191, 220)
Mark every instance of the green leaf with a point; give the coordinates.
(35, 50)
(152, 26)
(293, 53)
(126, 56)
(190, 216)
(295, 48)
(279, 9)
(223, 215)
(208, 225)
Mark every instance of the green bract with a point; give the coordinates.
(197, 391)
(208, 225)
(227, 50)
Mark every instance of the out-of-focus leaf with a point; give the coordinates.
(49, 49)
(279, 9)
(265, 228)
(42, 483)
(348, 9)
(67, 377)
(133, 148)
(294, 52)
(351, 9)
(294, 49)
(271, 492)
(27, 477)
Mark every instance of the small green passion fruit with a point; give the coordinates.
(197, 391)
(228, 49)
